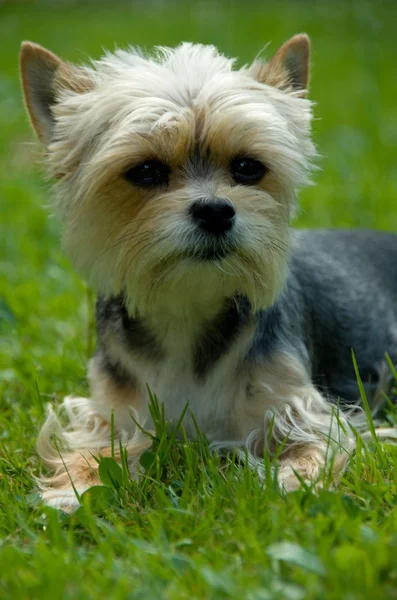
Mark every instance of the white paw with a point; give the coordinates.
(65, 500)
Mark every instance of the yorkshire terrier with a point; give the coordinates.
(177, 178)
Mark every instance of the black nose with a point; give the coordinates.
(214, 216)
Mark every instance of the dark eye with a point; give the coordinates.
(247, 170)
(148, 174)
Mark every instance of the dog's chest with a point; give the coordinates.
(196, 362)
(213, 399)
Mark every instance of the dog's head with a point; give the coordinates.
(176, 174)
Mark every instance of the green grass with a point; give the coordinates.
(196, 526)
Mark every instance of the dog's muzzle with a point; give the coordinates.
(214, 223)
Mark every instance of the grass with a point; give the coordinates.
(196, 526)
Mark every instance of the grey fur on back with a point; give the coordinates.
(341, 295)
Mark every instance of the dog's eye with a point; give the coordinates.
(148, 174)
(247, 170)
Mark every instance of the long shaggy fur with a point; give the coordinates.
(232, 335)
(165, 105)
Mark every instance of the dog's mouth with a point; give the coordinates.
(211, 250)
(208, 254)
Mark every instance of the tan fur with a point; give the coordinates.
(311, 464)
(81, 469)
(289, 68)
(72, 78)
(71, 453)
(31, 56)
(42, 72)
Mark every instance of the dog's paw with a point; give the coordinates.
(308, 465)
(292, 477)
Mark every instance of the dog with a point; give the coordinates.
(176, 181)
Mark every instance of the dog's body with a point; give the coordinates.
(177, 182)
(319, 318)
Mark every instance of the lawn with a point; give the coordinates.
(196, 527)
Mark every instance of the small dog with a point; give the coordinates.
(176, 181)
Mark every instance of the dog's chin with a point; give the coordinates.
(197, 281)
(211, 251)
(208, 255)
(197, 277)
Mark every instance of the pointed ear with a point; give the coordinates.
(289, 67)
(43, 75)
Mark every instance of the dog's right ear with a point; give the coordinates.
(43, 76)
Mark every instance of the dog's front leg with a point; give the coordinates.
(302, 429)
(69, 451)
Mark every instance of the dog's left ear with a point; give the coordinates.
(44, 75)
(289, 67)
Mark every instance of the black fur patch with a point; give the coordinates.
(116, 372)
(220, 333)
(133, 333)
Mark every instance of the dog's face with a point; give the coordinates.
(176, 174)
